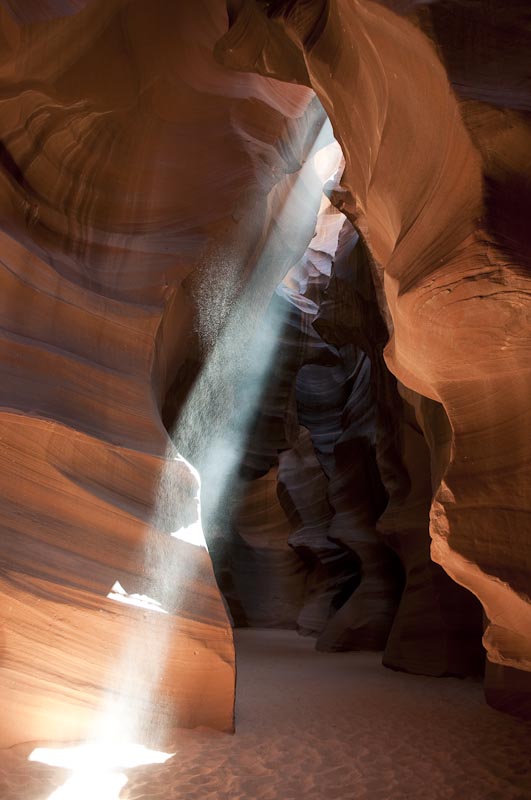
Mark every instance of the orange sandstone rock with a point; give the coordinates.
(130, 161)
(427, 183)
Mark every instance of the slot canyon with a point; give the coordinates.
(265, 418)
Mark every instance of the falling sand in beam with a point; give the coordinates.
(212, 431)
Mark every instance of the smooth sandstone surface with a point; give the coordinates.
(431, 159)
(111, 116)
(145, 168)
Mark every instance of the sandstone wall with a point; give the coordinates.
(434, 131)
(131, 161)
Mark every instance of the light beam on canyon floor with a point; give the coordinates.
(96, 767)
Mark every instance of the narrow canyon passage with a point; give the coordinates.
(265, 369)
(321, 726)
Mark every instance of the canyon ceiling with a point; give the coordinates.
(163, 220)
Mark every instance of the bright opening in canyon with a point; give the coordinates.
(266, 358)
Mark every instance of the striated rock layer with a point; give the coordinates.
(317, 414)
(144, 191)
(130, 162)
(436, 183)
(72, 654)
(437, 626)
(359, 431)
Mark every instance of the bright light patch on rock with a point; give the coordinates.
(141, 600)
(193, 534)
(328, 161)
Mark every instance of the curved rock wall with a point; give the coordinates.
(431, 184)
(130, 161)
(357, 428)
(143, 192)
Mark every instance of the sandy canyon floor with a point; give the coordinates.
(327, 727)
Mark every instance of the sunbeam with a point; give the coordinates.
(211, 431)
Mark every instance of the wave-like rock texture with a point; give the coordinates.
(151, 199)
(269, 577)
(330, 376)
(68, 647)
(361, 450)
(135, 188)
(329, 485)
(435, 135)
(437, 627)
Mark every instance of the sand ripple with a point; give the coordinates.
(325, 726)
